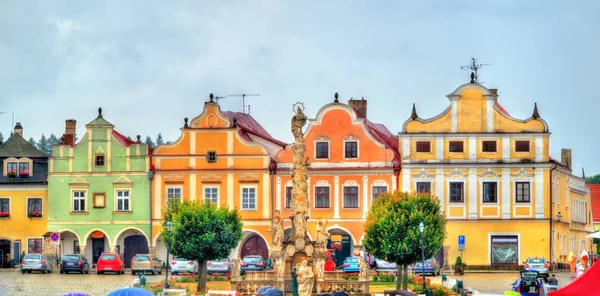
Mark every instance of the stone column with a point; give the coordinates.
(113, 248)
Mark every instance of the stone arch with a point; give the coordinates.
(92, 249)
(344, 248)
(132, 228)
(348, 232)
(253, 243)
(67, 242)
(134, 241)
(89, 235)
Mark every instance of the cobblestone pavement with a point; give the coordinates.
(13, 283)
(497, 283)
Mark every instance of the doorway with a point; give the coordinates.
(4, 253)
(134, 244)
(255, 245)
(17, 252)
(97, 248)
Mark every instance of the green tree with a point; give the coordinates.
(32, 142)
(43, 145)
(52, 140)
(201, 231)
(593, 179)
(149, 141)
(159, 140)
(392, 229)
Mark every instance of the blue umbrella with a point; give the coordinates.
(130, 292)
(75, 294)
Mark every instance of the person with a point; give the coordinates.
(545, 279)
(572, 263)
(361, 253)
(552, 280)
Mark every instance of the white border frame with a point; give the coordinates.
(357, 149)
(27, 205)
(323, 140)
(350, 183)
(285, 186)
(489, 205)
(255, 187)
(34, 237)
(204, 187)
(517, 234)
(379, 183)
(10, 213)
(167, 193)
(322, 183)
(456, 205)
(130, 199)
(87, 204)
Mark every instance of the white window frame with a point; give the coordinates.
(84, 198)
(328, 149)
(531, 197)
(357, 149)
(211, 188)
(378, 184)
(35, 237)
(167, 193)
(10, 204)
(253, 187)
(424, 181)
(464, 193)
(329, 201)
(285, 205)
(497, 192)
(123, 198)
(27, 205)
(358, 192)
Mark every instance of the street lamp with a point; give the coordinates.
(422, 229)
(169, 227)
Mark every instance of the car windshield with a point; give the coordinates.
(107, 257)
(252, 259)
(219, 260)
(33, 257)
(536, 260)
(180, 259)
(71, 257)
(351, 260)
(141, 258)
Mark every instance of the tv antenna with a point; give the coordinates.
(217, 98)
(473, 67)
(243, 96)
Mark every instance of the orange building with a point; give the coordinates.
(351, 161)
(227, 158)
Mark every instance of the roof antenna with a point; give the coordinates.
(244, 100)
(217, 98)
(474, 67)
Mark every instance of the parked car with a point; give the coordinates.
(431, 267)
(528, 284)
(36, 262)
(351, 264)
(222, 266)
(538, 264)
(75, 262)
(252, 263)
(382, 265)
(110, 262)
(329, 263)
(182, 265)
(145, 263)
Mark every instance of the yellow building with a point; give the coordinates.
(23, 198)
(571, 211)
(491, 173)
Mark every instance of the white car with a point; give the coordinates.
(182, 265)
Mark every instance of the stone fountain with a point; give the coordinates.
(299, 263)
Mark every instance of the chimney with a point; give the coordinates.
(69, 136)
(360, 106)
(19, 129)
(565, 157)
(494, 91)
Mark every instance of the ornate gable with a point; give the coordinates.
(211, 117)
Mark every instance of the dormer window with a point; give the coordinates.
(17, 167)
(24, 168)
(11, 166)
(351, 149)
(100, 160)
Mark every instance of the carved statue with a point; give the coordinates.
(364, 269)
(299, 178)
(277, 233)
(235, 269)
(305, 279)
(320, 267)
(279, 267)
(322, 234)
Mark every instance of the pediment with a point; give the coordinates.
(489, 174)
(456, 174)
(79, 181)
(423, 175)
(211, 178)
(249, 177)
(122, 180)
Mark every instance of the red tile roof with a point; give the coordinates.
(247, 125)
(127, 142)
(595, 197)
(383, 135)
(502, 109)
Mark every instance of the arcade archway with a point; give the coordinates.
(341, 245)
(254, 244)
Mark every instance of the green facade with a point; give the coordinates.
(100, 188)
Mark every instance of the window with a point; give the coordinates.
(457, 192)
(78, 201)
(288, 197)
(24, 167)
(34, 207)
(424, 187)
(100, 160)
(211, 194)
(211, 156)
(351, 197)
(34, 246)
(248, 198)
(11, 166)
(522, 146)
(522, 190)
(4, 207)
(351, 149)
(321, 197)
(456, 146)
(322, 150)
(505, 250)
(173, 192)
(488, 146)
(99, 200)
(377, 190)
(123, 200)
(490, 192)
(423, 146)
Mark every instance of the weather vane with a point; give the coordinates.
(473, 67)
(298, 104)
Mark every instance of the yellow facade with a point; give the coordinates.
(490, 172)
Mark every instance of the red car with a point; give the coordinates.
(110, 262)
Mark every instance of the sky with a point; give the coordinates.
(149, 64)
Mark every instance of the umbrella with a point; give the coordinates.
(75, 294)
(594, 235)
(130, 292)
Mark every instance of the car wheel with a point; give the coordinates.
(153, 272)
(29, 271)
(22, 271)
(87, 271)
(61, 272)
(132, 272)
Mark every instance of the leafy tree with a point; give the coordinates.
(43, 145)
(159, 140)
(201, 231)
(593, 179)
(149, 141)
(32, 142)
(392, 229)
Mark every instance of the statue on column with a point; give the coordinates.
(299, 178)
(322, 234)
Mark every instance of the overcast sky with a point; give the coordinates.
(149, 64)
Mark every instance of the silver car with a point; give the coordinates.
(382, 265)
(182, 265)
(222, 266)
(36, 262)
(538, 264)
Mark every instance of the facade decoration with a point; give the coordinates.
(99, 192)
(23, 199)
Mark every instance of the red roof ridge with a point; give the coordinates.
(382, 134)
(502, 109)
(247, 124)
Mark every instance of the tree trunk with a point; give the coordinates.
(398, 276)
(201, 276)
(405, 277)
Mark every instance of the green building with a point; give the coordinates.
(99, 192)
